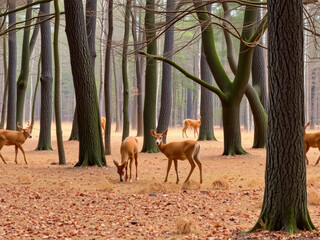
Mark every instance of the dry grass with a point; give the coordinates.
(191, 185)
(184, 225)
(220, 184)
(24, 179)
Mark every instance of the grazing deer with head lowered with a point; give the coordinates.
(311, 140)
(175, 151)
(103, 125)
(9, 137)
(129, 151)
(195, 124)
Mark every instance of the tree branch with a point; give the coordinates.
(223, 97)
(24, 7)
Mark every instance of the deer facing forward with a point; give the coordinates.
(175, 151)
(129, 151)
(9, 137)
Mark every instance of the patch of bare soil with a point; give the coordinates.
(43, 200)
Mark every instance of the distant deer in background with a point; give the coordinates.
(9, 137)
(311, 140)
(103, 125)
(188, 149)
(129, 151)
(195, 124)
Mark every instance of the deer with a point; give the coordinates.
(311, 140)
(103, 125)
(17, 138)
(174, 151)
(195, 124)
(129, 151)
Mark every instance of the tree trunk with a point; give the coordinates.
(46, 82)
(5, 78)
(108, 80)
(285, 197)
(166, 92)
(126, 121)
(206, 105)
(149, 113)
(12, 69)
(24, 72)
(116, 88)
(91, 16)
(36, 91)
(91, 150)
(57, 103)
(74, 131)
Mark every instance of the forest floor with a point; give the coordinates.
(43, 200)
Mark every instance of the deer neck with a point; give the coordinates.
(161, 146)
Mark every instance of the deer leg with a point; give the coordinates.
(136, 162)
(193, 165)
(20, 147)
(168, 169)
(176, 168)
(197, 160)
(16, 152)
(130, 166)
(306, 150)
(3, 159)
(318, 158)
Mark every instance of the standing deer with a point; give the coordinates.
(311, 140)
(9, 137)
(129, 151)
(195, 124)
(175, 151)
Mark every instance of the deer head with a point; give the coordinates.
(26, 131)
(120, 169)
(158, 136)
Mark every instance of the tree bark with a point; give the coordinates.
(285, 197)
(12, 69)
(24, 72)
(91, 150)
(166, 92)
(74, 131)
(116, 89)
(108, 80)
(5, 78)
(91, 18)
(149, 113)
(46, 82)
(57, 103)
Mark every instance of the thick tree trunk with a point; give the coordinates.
(57, 103)
(91, 150)
(166, 92)
(46, 82)
(12, 69)
(206, 102)
(24, 73)
(231, 129)
(91, 16)
(149, 116)
(108, 80)
(285, 197)
(126, 121)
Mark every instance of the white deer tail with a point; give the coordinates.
(196, 151)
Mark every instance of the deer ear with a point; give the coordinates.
(165, 132)
(153, 133)
(115, 163)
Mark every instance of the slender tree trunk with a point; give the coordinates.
(108, 80)
(116, 88)
(74, 131)
(285, 197)
(91, 150)
(126, 121)
(166, 92)
(36, 91)
(57, 103)
(12, 67)
(149, 116)
(5, 95)
(46, 81)
(24, 73)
